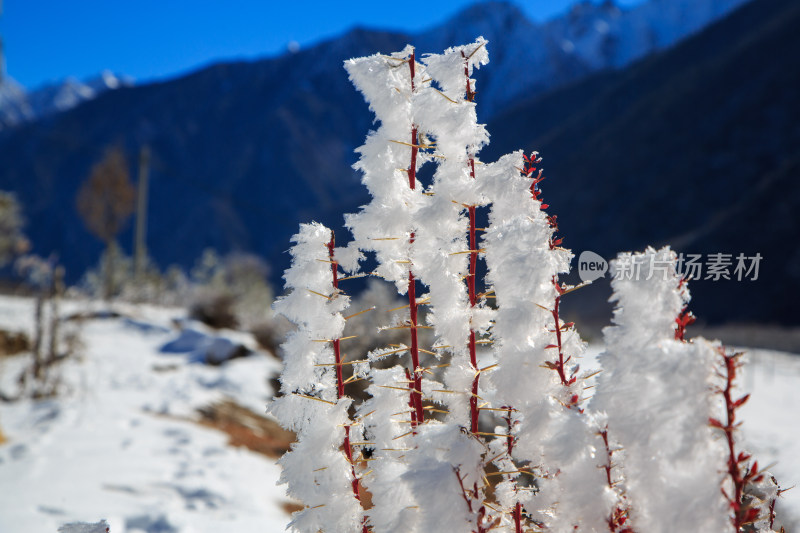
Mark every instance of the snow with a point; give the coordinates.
(18, 106)
(118, 442)
(590, 36)
(771, 423)
(657, 393)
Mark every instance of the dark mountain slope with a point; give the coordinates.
(670, 149)
(242, 153)
(698, 146)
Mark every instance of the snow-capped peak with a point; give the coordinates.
(532, 57)
(18, 106)
(604, 35)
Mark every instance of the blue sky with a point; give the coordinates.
(46, 40)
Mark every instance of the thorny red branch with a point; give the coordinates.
(559, 365)
(346, 446)
(469, 496)
(516, 514)
(741, 472)
(415, 402)
(473, 264)
(473, 300)
(619, 515)
(684, 319)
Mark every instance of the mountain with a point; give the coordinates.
(18, 106)
(603, 35)
(243, 152)
(698, 147)
(13, 105)
(529, 58)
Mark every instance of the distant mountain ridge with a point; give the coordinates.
(586, 38)
(685, 148)
(18, 106)
(243, 152)
(529, 58)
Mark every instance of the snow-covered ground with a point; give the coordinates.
(117, 443)
(772, 422)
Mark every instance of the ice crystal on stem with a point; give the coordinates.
(656, 393)
(317, 470)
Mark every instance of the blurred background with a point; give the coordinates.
(660, 122)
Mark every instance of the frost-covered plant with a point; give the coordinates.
(320, 468)
(499, 392)
(656, 393)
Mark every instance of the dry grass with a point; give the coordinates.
(292, 507)
(13, 342)
(245, 428)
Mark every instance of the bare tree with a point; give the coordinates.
(105, 202)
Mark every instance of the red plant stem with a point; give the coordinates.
(470, 94)
(740, 479)
(517, 512)
(410, 379)
(474, 411)
(607, 466)
(733, 463)
(558, 366)
(557, 322)
(473, 265)
(473, 353)
(619, 514)
(412, 168)
(772, 511)
(416, 391)
(336, 349)
(337, 353)
(473, 246)
(509, 437)
(468, 498)
(464, 491)
(339, 376)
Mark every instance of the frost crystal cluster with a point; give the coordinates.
(492, 425)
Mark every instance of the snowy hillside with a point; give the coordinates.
(119, 442)
(122, 442)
